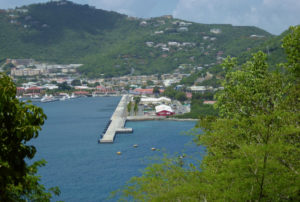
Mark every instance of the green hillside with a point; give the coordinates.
(272, 47)
(113, 44)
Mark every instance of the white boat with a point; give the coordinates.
(49, 98)
(65, 97)
(73, 96)
(35, 98)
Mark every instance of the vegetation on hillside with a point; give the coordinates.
(112, 44)
(252, 148)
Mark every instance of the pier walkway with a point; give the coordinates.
(117, 123)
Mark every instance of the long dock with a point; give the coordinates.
(117, 122)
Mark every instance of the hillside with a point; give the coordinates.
(272, 47)
(113, 44)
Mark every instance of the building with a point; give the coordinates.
(140, 91)
(152, 100)
(21, 62)
(209, 102)
(20, 90)
(164, 110)
(34, 90)
(200, 89)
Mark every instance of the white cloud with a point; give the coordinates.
(273, 15)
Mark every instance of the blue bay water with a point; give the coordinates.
(87, 171)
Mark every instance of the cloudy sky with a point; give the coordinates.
(274, 16)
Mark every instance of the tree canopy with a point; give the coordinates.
(20, 122)
(252, 148)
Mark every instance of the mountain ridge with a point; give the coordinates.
(110, 43)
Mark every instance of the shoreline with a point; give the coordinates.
(156, 118)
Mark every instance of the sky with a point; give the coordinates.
(274, 16)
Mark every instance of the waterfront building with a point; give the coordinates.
(164, 110)
(152, 100)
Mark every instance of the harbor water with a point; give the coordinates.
(87, 171)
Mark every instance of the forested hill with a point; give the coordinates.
(112, 44)
(272, 47)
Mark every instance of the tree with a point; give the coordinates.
(64, 86)
(150, 82)
(129, 106)
(76, 82)
(181, 96)
(252, 148)
(135, 108)
(20, 122)
(170, 92)
(137, 99)
(156, 90)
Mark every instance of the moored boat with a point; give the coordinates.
(49, 98)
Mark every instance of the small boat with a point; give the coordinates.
(153, 148)
(65, 97)
(35, 98)
(73, 96)
(135, 145)
(49, 98)
(119, 153)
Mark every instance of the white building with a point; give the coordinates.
(152, 100)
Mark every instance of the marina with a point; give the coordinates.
(69, 141)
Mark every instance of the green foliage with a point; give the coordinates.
(137, 99)
(252, 148)
(129, 106)
(135, 108)
(20, 122)
(198, 109)
(76, 82)
(181, 96)
(165, 181)
(156, 90)
(150, 83)
(170, 92)
(64, 86)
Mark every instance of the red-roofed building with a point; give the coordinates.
(33, 90)
(189, 95)
(81, 92)
(140, 91)
(164, 110)
(209, 102)
(103, 89)
(20, 90)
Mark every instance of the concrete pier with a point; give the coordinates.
(118, 120)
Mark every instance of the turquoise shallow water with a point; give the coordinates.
(87, 171)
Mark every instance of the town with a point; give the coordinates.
(152, 95)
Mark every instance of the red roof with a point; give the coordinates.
(189, 95)
(144, 91)
(20, 88)
(34, 88)
(81, 92)
(100, 87)
(210, 102)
